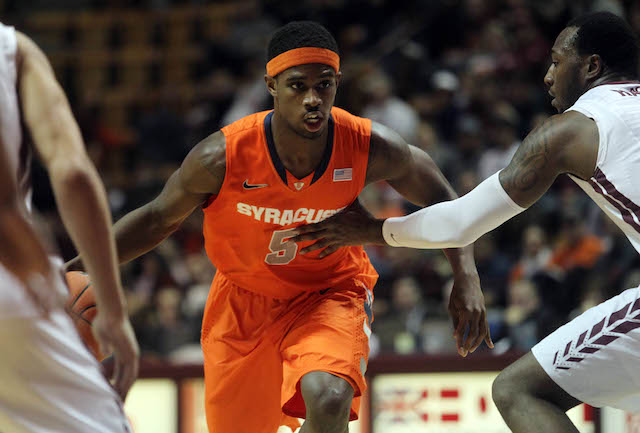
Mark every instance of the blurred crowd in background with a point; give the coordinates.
(461, 79)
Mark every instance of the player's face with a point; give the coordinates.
(564, 77)
(304, 96)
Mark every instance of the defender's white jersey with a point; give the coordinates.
(10, 127)
(615, 185)
(13, 298)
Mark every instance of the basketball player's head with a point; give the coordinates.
(303, 72)
(592, 49)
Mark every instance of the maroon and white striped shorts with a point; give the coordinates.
(596, 357)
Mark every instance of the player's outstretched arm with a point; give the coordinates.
(81, 202)
(565, 143)
(200, 175)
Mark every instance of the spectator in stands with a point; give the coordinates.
(384, 107)
(400, 329)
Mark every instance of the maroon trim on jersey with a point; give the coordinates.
(616, 82)
(624, 205)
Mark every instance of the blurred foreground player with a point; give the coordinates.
(285, 335)
(48, 379)
(595, 358)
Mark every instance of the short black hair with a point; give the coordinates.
(610, 37)
(300, 34)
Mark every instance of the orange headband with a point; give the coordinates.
(302, 56)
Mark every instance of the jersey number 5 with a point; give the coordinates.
(281, 253)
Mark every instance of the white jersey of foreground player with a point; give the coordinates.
(14, 301)
(49, 380)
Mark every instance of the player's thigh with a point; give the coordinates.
(243, 394)
(595, 357)
(242, 365)
(332, 335)
(50, 381)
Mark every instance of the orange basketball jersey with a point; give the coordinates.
(247, 223)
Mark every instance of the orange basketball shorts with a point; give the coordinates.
(256, 350)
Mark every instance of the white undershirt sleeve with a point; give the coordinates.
(456, 223)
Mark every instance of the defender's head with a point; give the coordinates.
(595, 46)
(303, 72)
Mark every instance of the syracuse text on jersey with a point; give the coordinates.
(285, 217)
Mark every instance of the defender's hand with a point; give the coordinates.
(354, 225)
(467, 310)
(117, 336)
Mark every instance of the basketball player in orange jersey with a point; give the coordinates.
(48, 379)
(285, 335)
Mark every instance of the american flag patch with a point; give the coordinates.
(342, 174)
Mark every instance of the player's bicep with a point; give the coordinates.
(200, 175)
(408, 169)
(422, 183)
(535, 165)
(174, 203)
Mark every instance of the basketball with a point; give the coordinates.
(81, 306)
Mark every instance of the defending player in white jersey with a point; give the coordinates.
(595, 358)
(49, 380)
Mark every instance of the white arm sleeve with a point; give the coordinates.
(456, 223)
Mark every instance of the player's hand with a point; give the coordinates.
(467, 310)
(116, 336)
(354, 225)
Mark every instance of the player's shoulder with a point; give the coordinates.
(247, 125)
(567, 125)
(345, 121)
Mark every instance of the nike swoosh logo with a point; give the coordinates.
(247, 185)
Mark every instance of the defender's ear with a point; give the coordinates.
(595, 67)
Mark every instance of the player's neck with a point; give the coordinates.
(300, 155)
(611, 77)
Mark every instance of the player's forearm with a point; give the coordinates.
(140, 231)
(461, 260)
(22, 252)
(82, 204)
(456, 223)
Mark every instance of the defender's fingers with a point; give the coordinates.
(488, 339)
(459, 335)
(474, 332)
(309, 236)
(308, 228)
(482, 331)
(322, 243)
(329, 250)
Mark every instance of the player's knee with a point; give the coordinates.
(334, 400)
(504, 390)
(329, 398)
